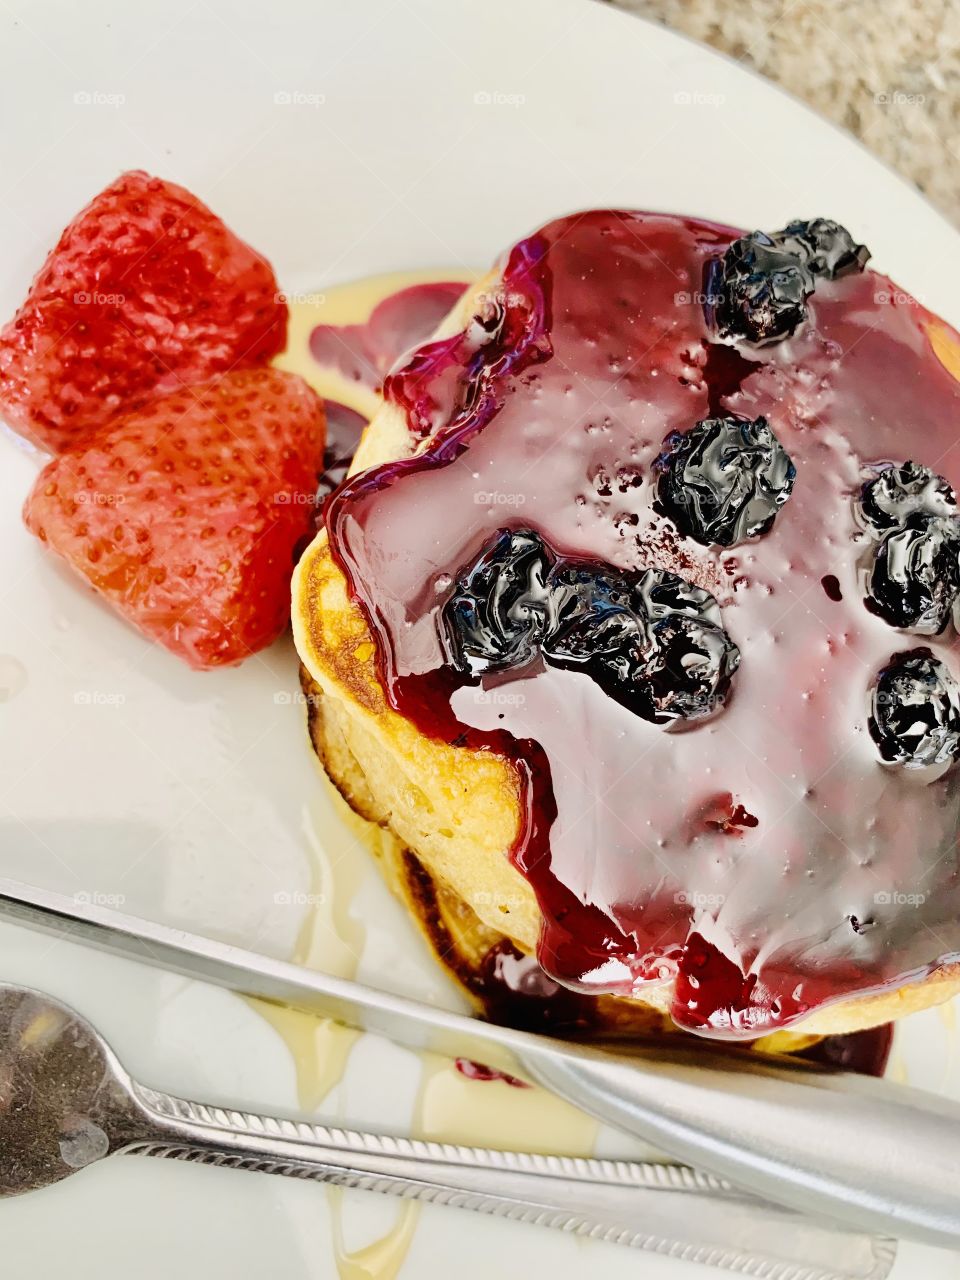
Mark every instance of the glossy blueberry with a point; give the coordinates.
(688, 674)
(915, 711)
(915, 577)
(758, 291)
(827, 248)
(595, 615)
(501, 607)
(692, 660)
(651, 640)
(914, 580)
(724, 480)
(900, 495)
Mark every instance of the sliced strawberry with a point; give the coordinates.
(146, 291)
(187, 514)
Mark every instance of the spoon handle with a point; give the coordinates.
(659, 1207)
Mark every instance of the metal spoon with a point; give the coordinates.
(66, 1102)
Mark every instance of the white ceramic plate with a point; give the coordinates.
(341, 140)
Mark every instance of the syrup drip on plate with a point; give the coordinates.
(345, 426)
(332, 938)
(13, 677)
(450, 1107)
(364, 352)
(548, 414)
(370, 322)
(864, 1052)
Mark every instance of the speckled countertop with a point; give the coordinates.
(887, 70)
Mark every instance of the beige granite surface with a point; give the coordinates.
(887, 70)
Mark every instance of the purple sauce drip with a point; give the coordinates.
(364, 353)
(480, 1071)
(344, 428)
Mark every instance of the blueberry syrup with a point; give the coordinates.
(592, 351)
(479, 1071)
(515, 992)
(364, 352)
(344, 428)
(864, 1052)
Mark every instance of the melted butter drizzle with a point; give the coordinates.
(332, 939)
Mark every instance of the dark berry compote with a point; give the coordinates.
(680, 542)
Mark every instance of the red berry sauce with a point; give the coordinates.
(764, 858)
(364, 352)
(480, 1071)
